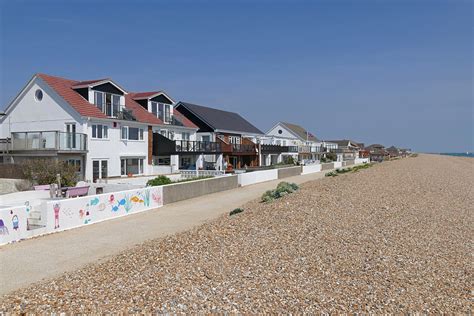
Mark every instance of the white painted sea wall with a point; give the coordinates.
(76, 212)
(249, 178)
(337, 164)
(311, 169)
(358, 161)
(70, 213)
(13, 224)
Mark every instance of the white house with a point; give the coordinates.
(96, 125)
(303, 145)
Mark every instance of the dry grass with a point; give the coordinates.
(393, 238)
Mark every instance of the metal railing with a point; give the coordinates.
(188, 174)
(197, 146)
(309, 149)
(48, 140)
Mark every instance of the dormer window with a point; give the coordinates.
(107, 103)
(161, 111)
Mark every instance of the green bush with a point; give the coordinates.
(44, 171)
(236, 211)
(160, 180)
(281, 190)
(331, 174)
(331, 157)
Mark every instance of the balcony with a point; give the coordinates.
(163, 146)
(309, 149)
(48, 141)
(184, 146)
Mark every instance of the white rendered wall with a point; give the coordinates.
(311, 169)
(49, 114)
(114, 148)
(249, 178)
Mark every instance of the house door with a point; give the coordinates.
(99, 169)
(70, 135)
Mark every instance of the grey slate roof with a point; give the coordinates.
(221, 120)
(302, 133)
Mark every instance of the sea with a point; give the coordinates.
(467, 154)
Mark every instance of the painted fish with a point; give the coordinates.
(94, 201)
(122, 202)
(101, 207)
(115, 208)
(136, 199)
(111, 199)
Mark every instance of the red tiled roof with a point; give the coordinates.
(144, 95)
(63, 88)
(87, 82)
(186, 122)
(140, 113)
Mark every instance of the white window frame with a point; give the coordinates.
(141, 133)
(105, 131)
(104, 106)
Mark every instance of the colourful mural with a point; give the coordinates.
(3, 228)
(76, 212)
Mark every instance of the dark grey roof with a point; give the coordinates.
(221, 120)
(302, 133)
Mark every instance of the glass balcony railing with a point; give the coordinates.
(48, 140)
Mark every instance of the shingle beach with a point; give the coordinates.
(396, 237)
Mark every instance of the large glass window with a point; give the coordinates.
(131, 166)
(99, 100)
(107, 103)
(132, 133)
(154, 108)
(115, 104)
(99, 169)
(185, 136)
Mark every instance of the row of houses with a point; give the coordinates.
(107, 131)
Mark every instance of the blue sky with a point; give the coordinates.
(391, 72)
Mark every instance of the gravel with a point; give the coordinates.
(396, 237)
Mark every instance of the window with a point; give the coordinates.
(185, 136)
(154, 108)
(132, 133)
(163, 132)
(100, 131)
(234, 139)
(171, 135)
(162, 111)
(131, 166)
(107, 103)
(76, 163)
(162, 161)
(38, 95)
(99, 100)
(99, 169)
(206, 138)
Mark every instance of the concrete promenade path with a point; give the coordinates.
(32, 260)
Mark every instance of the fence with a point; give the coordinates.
(188, 174)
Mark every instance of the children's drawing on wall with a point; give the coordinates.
(56, 209)
(146, 197)
(15, 222)
(156, 197)
(3, 228)
(101, 207)
(115, 208)
(94, 201)
(28, 206)
(128, 203)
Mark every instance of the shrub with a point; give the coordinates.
(236, 211)
(331, 156)
(160, 180)
(44, 171)
(331, 174)
(281, 190)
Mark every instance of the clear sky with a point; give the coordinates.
(391, 72)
